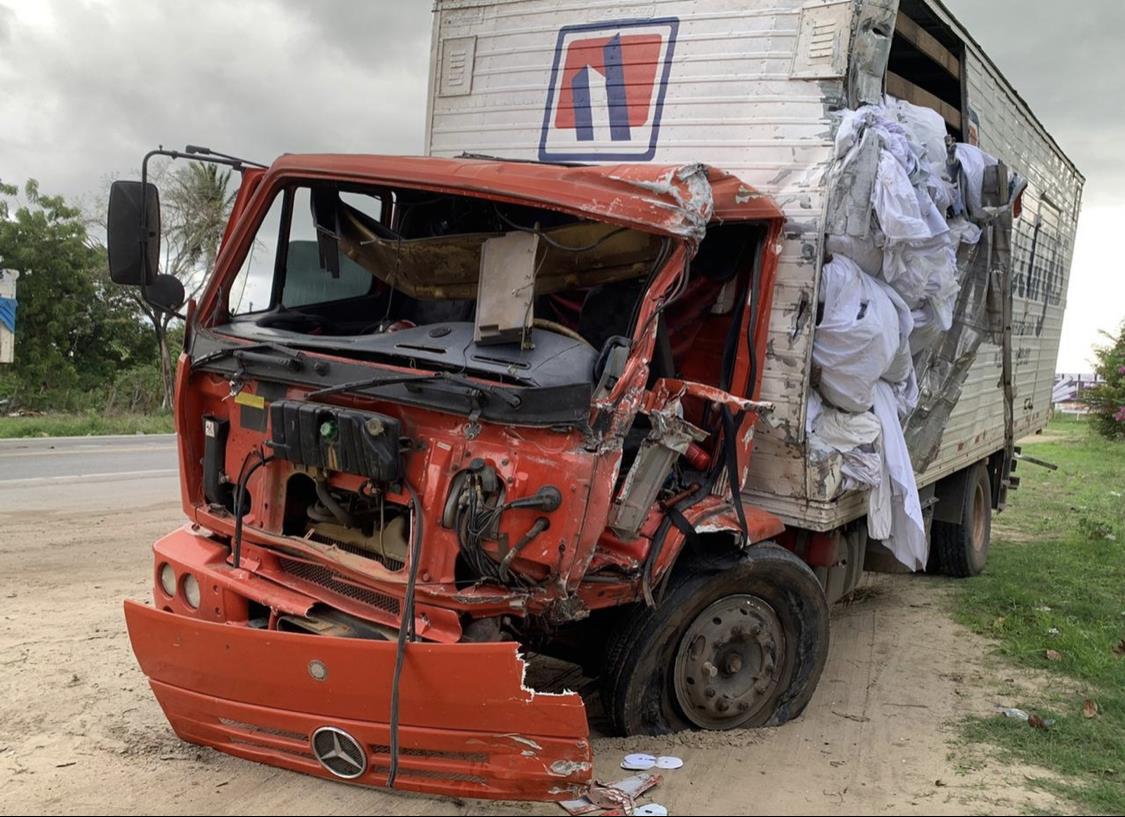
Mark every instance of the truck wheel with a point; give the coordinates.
(960, 550)
(736, 641)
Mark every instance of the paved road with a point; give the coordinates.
(87, 472)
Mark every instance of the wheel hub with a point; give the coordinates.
(728, 664)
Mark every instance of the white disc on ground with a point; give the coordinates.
(638, 762)
(669, 762)
(651, 809)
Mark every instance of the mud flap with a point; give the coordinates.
(469, 726)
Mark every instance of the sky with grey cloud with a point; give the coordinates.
(87, 87)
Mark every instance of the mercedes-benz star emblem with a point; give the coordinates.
(339, 752)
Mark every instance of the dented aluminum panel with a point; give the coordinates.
(755, 88)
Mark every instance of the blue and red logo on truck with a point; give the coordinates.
(606, 92)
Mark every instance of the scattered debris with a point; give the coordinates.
(1053, 655)
(638, 762)
(940, 783)
(1012, 712)
(621, 795)
(1054, 631)
(654, 809)
(641, 762)
(850, 717)
(1036, 722)
(1090, 708)
(1043, 609)
(67, 764)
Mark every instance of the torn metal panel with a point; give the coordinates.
(687, 186)
(983, 303)
(263, 698)
(849, 201)
(871, 48)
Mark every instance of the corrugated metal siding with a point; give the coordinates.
(731, 102)
(976, 427)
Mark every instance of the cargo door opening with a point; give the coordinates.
(927, 67)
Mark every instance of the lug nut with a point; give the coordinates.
(709, 669)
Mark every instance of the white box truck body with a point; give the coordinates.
(757, 89)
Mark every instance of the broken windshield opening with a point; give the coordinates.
(330, 261)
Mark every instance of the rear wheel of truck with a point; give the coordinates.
(961, 549)
(736, 641)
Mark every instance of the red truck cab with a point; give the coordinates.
(437, 414)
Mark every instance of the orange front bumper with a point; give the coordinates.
(468, 725)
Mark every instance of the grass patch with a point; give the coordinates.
(1056, 581)
(81, 425)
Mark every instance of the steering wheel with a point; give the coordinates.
(558, 328)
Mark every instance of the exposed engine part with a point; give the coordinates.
(473, 509)
(671, 437)
(541, 524)
(326, 621)
(337, 439)
(326, 500)
(388, 543)
(216, 484)
(548, 498)
(364, 523)
(483, 629)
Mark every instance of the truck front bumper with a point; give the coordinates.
(468, 726)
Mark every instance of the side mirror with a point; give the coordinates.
(133, 235)
(166, 292)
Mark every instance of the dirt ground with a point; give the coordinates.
(81, 733)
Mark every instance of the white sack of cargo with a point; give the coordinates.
(856, 340)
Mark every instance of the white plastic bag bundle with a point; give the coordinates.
(902, 365)
(866, 252)
(855, 437)
(858, 337)
(927, 127)
(973, 162)
(894, 511)
(911, 267)
(897, 205)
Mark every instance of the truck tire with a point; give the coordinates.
(961, 549)
(737, 640)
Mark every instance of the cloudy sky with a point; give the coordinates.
(87, 87)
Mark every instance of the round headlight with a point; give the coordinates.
(191, 590)
(168, 579)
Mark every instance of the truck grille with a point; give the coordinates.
(323, 577)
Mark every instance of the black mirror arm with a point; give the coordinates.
(200, 154)
(197, 153)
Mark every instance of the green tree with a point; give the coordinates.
(74, 330)
(195, 204)
(1107, 399)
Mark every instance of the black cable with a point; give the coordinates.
(731, 425)
(240, 490)
(405, 627)
(551, 242)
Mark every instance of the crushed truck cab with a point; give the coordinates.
(437, 414)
